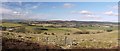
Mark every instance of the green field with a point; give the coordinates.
(98, 40)
(10, 24)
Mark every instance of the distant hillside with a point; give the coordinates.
(58, 21)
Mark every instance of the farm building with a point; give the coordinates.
(10, 28)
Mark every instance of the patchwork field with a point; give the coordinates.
(66, 38)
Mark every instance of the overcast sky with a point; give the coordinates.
(80, 11)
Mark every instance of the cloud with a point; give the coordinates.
(54, 7)
(30, 6)
(92, 16)
(65, 5)
(16, 12)
(39, 16)
(111, 13)
(12, 14)
(68, 5)
(4, 10)
(115, 7)
(8, 11)
(84, 12)
(34, 7)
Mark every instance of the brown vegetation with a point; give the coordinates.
(14, 44)
(82, 32)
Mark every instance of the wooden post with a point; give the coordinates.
(47, 39)
(65, 40)
(38, 39)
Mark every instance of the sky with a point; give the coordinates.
(79, 11)
(60, 0)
